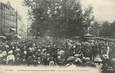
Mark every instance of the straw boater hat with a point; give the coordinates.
(10, 52)
(6, 46)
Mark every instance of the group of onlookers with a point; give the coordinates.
(42, 52)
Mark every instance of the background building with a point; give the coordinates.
(10, 21)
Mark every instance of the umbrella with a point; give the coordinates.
(113, 60)
(61, 52)
(77, 55)
(98, 60)
(3, 37)
(78, 60)
(71, 58)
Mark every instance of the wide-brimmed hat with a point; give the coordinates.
(10, 52)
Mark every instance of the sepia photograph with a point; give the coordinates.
(57, 36)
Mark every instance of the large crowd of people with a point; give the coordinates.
(63, 52)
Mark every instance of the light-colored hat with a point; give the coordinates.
(10, 52)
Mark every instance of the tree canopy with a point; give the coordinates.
(59, 18)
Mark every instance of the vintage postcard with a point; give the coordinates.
(57, 36)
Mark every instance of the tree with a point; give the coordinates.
(112, 28)
(95, 29)
(105, 29)
(59, 18)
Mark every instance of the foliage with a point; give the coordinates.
(59, 18)
(106, 29)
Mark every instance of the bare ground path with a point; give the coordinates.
(47, 69)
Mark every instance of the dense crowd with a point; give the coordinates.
(49, 52)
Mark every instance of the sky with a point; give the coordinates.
(104, 10)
